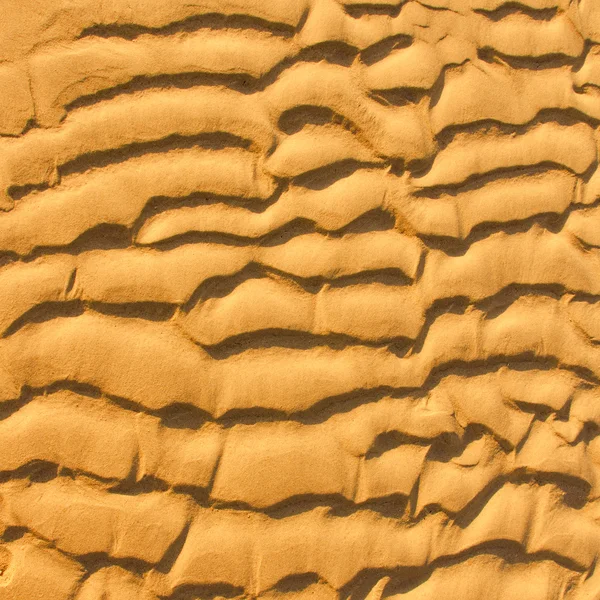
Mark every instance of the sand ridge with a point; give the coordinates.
(300, 300)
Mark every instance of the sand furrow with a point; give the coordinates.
(299, 299)
(373, 543)
(107, 58)
(185, 373)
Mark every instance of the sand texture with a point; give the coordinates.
(299, 299)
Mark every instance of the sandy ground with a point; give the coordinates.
(299, 299)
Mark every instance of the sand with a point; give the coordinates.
(299, 299)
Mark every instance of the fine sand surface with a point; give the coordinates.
(299, 299)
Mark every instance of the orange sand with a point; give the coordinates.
(300, 299)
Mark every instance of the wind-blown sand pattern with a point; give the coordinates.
(300, 299)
